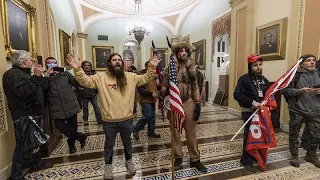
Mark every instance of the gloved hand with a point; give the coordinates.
(197, 111)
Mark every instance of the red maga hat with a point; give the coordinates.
(253, 58)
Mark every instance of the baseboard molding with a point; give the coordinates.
(5, 172)
(234, 111)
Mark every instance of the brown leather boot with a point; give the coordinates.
(312, 158)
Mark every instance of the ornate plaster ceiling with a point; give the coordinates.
(149, 7)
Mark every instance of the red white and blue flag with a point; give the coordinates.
(174, 93)
(261, 134)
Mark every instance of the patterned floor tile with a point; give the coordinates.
(203, 131)
(211, 117)
(144, 161)
(305, 172)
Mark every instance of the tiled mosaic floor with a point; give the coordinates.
(152, 157)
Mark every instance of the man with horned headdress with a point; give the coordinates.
(190, 97)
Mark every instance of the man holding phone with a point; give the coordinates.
(303, 99)
(63, 103)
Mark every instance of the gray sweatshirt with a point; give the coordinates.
(307, 104)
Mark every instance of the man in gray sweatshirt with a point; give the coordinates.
(303, 99)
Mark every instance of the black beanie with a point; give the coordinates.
(306, 56)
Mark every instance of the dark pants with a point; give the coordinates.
(69, 128)
(246, 158)
(295, 125)
(21, 159)
(148, 116)
(311, 135)
(94, 101)
(110, 130)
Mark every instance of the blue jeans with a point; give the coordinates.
(21, 159)
(96, 108)
(111, 130)
(246, 158)
(148, 116)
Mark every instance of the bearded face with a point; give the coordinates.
(115, 66)
(182, 55)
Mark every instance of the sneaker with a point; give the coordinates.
(41, 166)
(108, 172)
(199, 166)
(136, 135)
(177, 164)
(154, 135)
(130, 167)
(249, 167)
(82, 140)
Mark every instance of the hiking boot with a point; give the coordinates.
(199, 166)
(108, 172)
(312, 158)
(72, 147)
(177, 164)
(294, 161)
(136, 135)
(82, 140)
(154, 135)
(130, 167)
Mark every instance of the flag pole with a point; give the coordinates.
(294, 68)
(171, 116)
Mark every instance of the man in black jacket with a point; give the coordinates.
(89, 94)
(249, 92)
(63, 104)
(25, 98)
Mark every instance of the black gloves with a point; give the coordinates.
(197, 110)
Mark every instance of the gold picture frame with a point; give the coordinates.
(271, 40)
(199, 56)
(100, 55)
(163, 54)
(18, 20)
(65, 47)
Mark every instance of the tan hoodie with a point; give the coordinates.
(115, 106)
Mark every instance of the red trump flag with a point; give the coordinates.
(261, 134)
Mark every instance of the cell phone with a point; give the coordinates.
(40, 61)
(58, 69)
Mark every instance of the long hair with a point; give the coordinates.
(120, 78)
(84, 62)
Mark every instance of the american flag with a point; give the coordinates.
(175, 100)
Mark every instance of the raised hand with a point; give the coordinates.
(74, 63)
(38, 70)
(155, 61)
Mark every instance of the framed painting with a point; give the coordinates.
(65, 47)
(199, 55)
(271, 40)
(18, 26)
(163, 55)
(100, 55)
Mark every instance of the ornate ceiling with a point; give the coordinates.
(149, 7)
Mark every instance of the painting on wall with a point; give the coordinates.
(271, 40)
(65, 47)
(18, 26)
(199, 55)
(163, 55)
(100, 55)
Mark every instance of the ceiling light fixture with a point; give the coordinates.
(138, 28)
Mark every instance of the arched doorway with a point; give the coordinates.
(131, 53)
